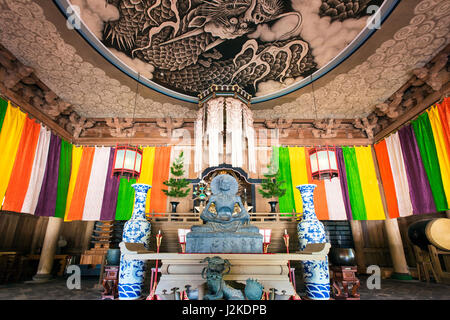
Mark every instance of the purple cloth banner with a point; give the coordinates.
(111, 190)
(419, 186)
(47, 197)
(343, 180)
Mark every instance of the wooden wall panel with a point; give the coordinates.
(25, 233)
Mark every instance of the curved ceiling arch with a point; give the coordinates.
(255, 61)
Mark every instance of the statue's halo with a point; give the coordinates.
(218, 180)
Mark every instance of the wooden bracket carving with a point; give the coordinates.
(11, 77)
(55, 106)
(326, 128)
(366, 125)
(391, 109)
(121, 128)
(281, 124)
(78, 124)
(431, 75)
(167, 125)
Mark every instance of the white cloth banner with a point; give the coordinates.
(335, 200)
(198, 133)
(37, 172)
(96, 187)
(399, 174)
(234, 128)
(249, 132)
(214, 129)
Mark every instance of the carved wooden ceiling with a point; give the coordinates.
(269, 47)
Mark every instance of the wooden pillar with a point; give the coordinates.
(401, 270)
(87, 236)
(358, 240)
(48, 249)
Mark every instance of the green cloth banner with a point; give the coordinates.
(3, 107)
(125, 199)
(425, 141)
(65, 168)
(354, 184)
(286, 202)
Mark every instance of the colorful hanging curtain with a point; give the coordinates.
(443, 153)
(47, 198)
(96, 187)
(18, 185)
(286, 202)
(444, 115)
(81, 185)
(9, 143)
(111, 190)
(158, 200)
(3, 107)
(419, 187)
(37, 173)
(397, 163)
(148, 162)
(77, 153)
(125, 199)
(65, 166)
(321, 206)
(354, 184)
(343, 182)
(369, 183)
(299, 174)
(335, 199)
(426, 143)
(387, 178)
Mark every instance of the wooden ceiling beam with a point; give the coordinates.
(35, 113)
(413, 112)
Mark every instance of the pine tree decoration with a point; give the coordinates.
(178, 186)
(271, 187)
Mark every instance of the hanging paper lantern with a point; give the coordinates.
(127, 161)
(323, 163)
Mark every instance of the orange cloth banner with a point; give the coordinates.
(21, 172)
(81, 186)
(158, 200)
(320, 196)
(387, 178)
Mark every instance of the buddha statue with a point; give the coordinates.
(225, 230)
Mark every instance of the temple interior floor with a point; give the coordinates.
(56, 289)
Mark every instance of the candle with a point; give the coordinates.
(159, 232)
(285, 231)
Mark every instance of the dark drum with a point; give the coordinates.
(342, 256)
(432, 231)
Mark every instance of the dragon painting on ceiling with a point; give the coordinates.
(192, 44)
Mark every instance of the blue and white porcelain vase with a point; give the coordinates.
(135, 230)
(311, 230)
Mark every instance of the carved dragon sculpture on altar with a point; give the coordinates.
(219, 289)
